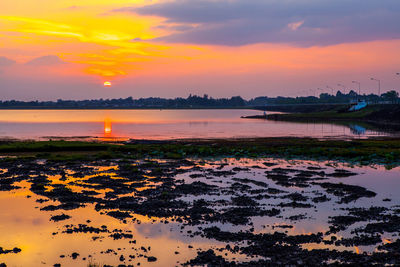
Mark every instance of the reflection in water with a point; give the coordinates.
(25, 221)
(357, 129)
(387, 241)
(165, 124)
(107, 127)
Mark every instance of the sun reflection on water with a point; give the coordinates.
(107, 127)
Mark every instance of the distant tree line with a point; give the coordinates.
(194, 101)
(324, 98)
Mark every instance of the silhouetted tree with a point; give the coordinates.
(391, 96)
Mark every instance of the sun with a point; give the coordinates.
(107, 84)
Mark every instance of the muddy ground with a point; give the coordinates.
(249, 206)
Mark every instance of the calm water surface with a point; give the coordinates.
(160, 124)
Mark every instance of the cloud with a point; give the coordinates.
(45, 61)
(179, 28)
(5, 62)
(296, 22)
(73, 7)
(295, 25)
(137, 39)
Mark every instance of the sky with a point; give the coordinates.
(67, 49)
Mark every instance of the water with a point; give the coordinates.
(42, 241)
(161, 124)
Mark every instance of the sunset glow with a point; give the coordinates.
(144, 45)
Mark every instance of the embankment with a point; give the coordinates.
(381, 114)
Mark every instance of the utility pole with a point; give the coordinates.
(320, 89)
(344, 87)
(330, 88)
(359, 87)
(379, 85)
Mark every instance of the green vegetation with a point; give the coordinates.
(380, 151)
(373, 113)
(332, 114)
(50, 146)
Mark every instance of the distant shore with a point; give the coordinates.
(121, 108)
(388, 114)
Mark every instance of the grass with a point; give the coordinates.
(383, 151)
(46, 146)
(332, 114)
(339, 113)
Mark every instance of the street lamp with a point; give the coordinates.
(344, 88)
(320, 89)
(379, 85)
(359, 87)
(330, 88)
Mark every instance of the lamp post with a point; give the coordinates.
(330, 88)
(320, 89)
(359, 87)
(379, 85)
(344, 88)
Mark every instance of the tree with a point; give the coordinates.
(391, 96)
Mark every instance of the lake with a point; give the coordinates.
(162, 124)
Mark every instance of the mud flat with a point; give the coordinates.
(161, 204)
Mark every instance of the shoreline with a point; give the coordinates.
(382, 114)
(124, 108)
(377, 150)
(245, 197)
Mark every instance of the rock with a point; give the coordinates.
(151, 259)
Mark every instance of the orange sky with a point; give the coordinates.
(84, 43)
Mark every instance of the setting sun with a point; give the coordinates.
(107, 84)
